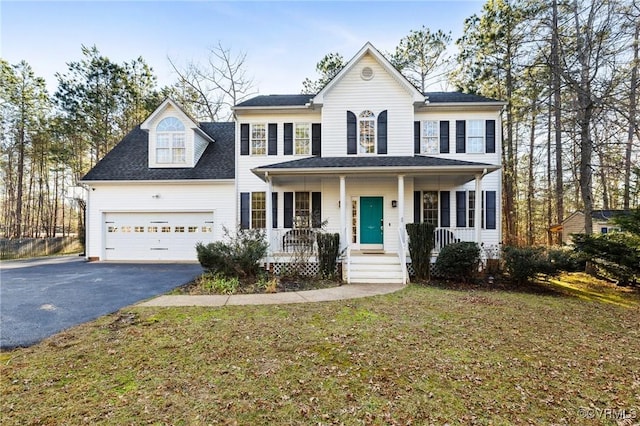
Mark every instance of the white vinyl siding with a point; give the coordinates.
(382, 92)
(160, 197)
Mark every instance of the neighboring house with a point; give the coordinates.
(574, 224)
(363, 157)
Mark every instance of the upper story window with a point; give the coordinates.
(302, 139)
(475, 136)
(170, 141)
(367, 132)
(430, 137)
(258, 139)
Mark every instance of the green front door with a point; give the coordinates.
(371, 224)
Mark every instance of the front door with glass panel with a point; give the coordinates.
(371, 223)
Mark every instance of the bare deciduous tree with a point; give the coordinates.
(209, 91)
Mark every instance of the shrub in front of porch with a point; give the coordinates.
(421, 243)
(459, 261)
(328, 251)
(238, 256)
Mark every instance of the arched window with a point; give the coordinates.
(170, 141)
(367, 132)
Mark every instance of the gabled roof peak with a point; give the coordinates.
(370, 49)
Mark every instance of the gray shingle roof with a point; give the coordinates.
(455, 97)
(301, 100)
(129, 159)
(377, 161)
(607, 214)
(276, 100)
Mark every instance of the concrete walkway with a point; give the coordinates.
(346, 291)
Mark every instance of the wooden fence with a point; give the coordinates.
(20, 248)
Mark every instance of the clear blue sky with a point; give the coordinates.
(283, 40)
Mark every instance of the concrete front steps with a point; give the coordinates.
(373, 268)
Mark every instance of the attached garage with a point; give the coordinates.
(164, 236)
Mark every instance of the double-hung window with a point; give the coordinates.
(367, 132)
(258, 139)
(302, 139)
(475, 136)
(170, 141)
(430, 207)
(430, 141)
(258, 210)
(302, 210)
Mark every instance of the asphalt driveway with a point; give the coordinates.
(40, 297)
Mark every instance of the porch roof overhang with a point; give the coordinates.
(418, 165)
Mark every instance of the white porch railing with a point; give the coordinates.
(446, 236)
(296, 240)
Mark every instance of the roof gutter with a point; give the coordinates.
(392, 170)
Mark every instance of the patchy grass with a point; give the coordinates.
(208, 283)
(422, 355)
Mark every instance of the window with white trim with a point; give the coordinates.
(367, 132)
(475, 136)
(170, 141)
(430, 207)
(302, 138)
(430, 141)
(302, 210)
(258, 210)
(471, 208)
(259, 139)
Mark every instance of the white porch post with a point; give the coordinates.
(401, 200)
(478, 210)
(269, 213)
(343, 212)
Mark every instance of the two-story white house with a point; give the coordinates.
(363, 157)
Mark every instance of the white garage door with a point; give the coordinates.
(155, 236)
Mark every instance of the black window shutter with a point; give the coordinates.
(382, 132)
(316, 209)
(461, 135)
(245, 203)
(461, 209)
(288, 138)
(316, 139)
(352, 137)
(288, 209)
(244, 139)
(491, 209)
(445, 209)
(444, 137)
(417, 206)
(416, 137)
(273, 139)
(274, 210)
(490, 135)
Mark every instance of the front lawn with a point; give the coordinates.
(422, 355)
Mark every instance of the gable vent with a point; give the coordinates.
(366, 73)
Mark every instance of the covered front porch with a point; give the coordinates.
(366, 200)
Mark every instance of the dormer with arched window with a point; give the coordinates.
(175, 140)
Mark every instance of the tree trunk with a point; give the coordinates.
(530, 186)
(633, 124)
(557, 113)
